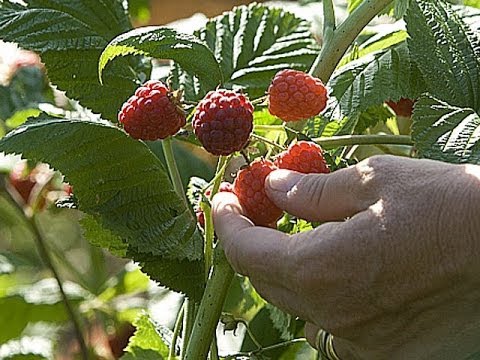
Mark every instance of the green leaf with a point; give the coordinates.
(397, 9)
(445, 132)
(446, 51)
(282, 321)
(38, 302)
(161, 42)
(147, 342)
(251, 43)
(124, 186)
(385, 75)
(472, 3)
(377, 42)
(70, 37)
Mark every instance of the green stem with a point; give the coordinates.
(329, 21)
(207, 213)
(343, 36)
(214, 349)
(210, 307)
(173, 169)
(44, 254)
(176, 333)
(188, 320)
(349, 140)
(268, 141)
(267, 348)
(251, 335)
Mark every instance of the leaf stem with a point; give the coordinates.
(42, 249)
(267, 348)
(349, 140)
(173, 169)
(188, 320)
(45, 256)
(268, 141)
(343, 36)
(210, 307)
(176, 332)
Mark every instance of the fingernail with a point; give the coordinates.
(283, 180)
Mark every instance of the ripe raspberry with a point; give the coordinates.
(152, 113)
(304, 156)
(294, 95)
(249, 186)
(402, 107)
(223, 121)
(224, 187)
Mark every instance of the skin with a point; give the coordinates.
(393, 271)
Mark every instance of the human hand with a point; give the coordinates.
(397, 280)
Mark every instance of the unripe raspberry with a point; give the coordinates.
(249, 186)
(402, 107)
(152, 113)
(224, 187)
(304, 156)
(223, 121)
(294, 95)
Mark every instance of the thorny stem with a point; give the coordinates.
(349, 140)
(343, 36)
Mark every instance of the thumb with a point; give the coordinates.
(320, 197)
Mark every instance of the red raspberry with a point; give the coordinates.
(249, 186)
(152, 113)
(22, 180)
(294, 95)
(224, 187)
(304, 156)
(402, 107)
(223, 121)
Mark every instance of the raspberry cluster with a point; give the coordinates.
(223, 121)
(294, 95)
(152, 113)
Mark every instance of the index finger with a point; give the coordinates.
(253, 251)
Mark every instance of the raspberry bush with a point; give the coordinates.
(251, 91)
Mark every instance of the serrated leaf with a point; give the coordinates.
(446, 52)
(283, 322)
(32, 303)
(123, 185)
(70, 37)
(445, 132)
(377, 42)
(166, 43)
(371, 80)
(251, 43)
(147, 342)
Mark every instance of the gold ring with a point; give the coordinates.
(324, 342)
